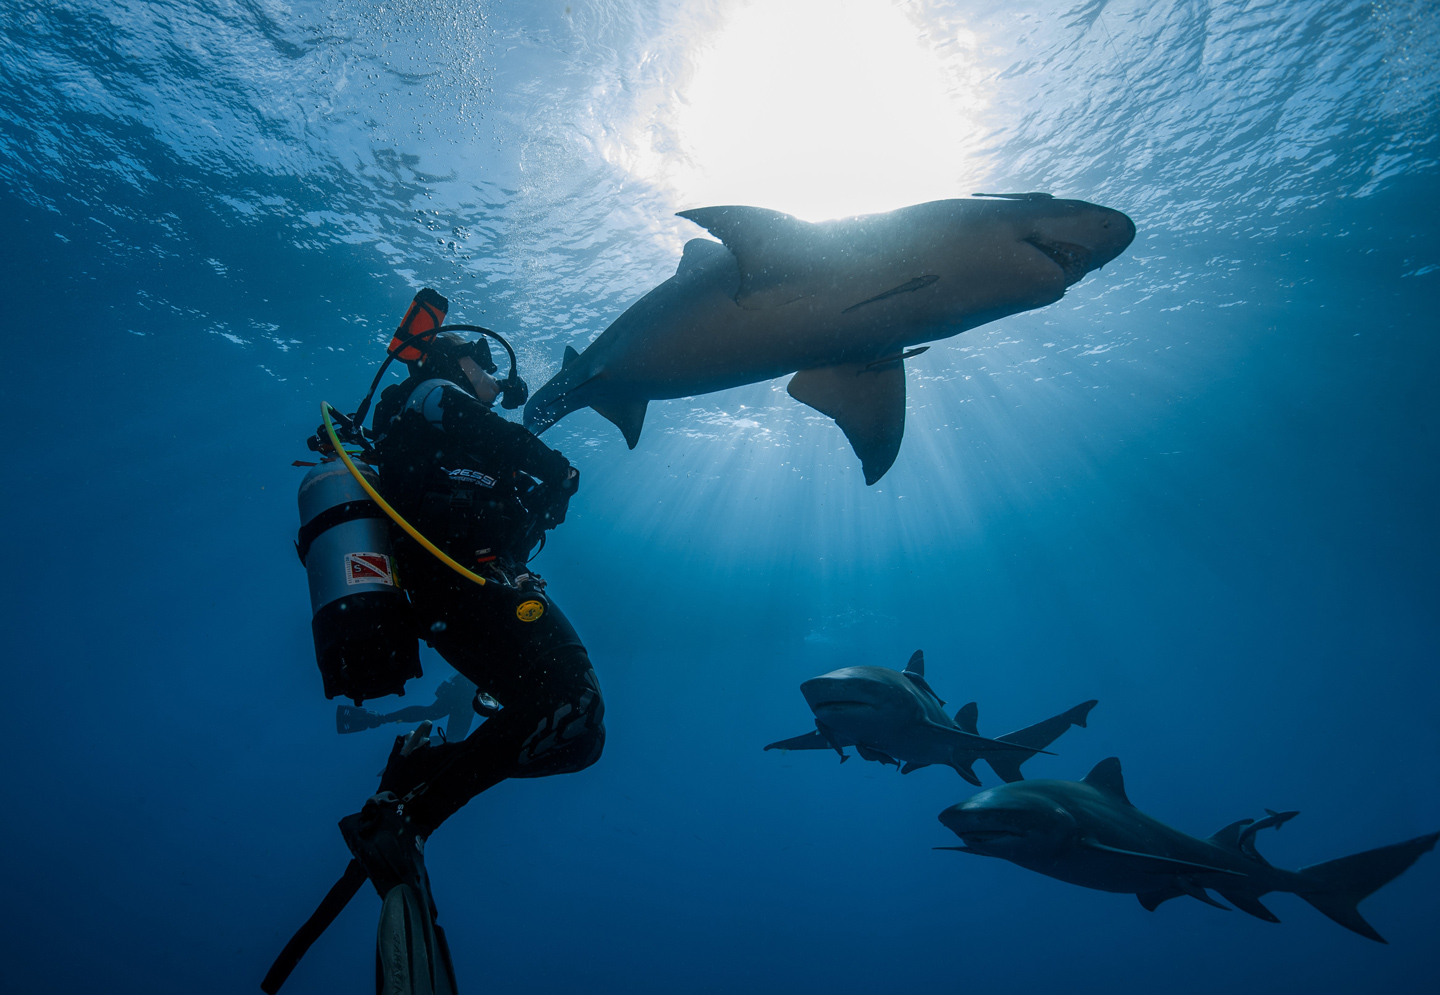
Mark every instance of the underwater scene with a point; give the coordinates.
(697, 496)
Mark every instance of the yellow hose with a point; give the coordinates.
(385, 506)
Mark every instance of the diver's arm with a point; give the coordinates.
(503, 442)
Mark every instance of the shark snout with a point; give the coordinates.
(984, 821)
(1083, 239)
(839, 695)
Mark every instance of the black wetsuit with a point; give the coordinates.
(466, 478)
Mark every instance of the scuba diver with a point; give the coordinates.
(473, 495)
(454, 702)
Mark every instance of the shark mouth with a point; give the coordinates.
(982, 836)
(844, 704)
(1073, 260)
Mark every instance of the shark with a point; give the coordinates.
(894, 717)
(841, 304)
(1088, 833)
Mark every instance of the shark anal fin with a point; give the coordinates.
(809, 741)
(1248, 904)
(909, 286)
(627, 416)
(1156, 864)
(866, 753)
(868, 405)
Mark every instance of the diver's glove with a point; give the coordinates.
(559, 494)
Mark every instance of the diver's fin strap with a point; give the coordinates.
(338, 897)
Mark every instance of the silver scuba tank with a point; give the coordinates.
(365, 638)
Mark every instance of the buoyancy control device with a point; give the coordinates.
(366, 643)
(365, 639)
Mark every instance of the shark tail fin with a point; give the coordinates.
(1036, 737)
(627, 416)
(1337, 887)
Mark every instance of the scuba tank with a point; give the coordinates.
(365, 640)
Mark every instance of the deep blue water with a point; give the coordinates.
(1201, 489)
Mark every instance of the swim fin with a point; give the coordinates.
(411, 955)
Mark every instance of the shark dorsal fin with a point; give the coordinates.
(569, 358)
(967, 718)
(699, 251)
(767, 244)
(1105, 777)
(917, 663)
(868, 405)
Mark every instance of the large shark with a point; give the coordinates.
(839, 301)
(893, 716)
(1087, 833)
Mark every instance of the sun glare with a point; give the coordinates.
(820, 108)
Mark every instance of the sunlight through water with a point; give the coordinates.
(820, 108)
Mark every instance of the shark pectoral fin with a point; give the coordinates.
(866, 753)
(868, 405)
(567, 360)
(1249, 904)
(1156, 864)
(768, 246)
(627, 416)
(809, 741)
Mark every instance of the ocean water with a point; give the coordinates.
(1202, 488)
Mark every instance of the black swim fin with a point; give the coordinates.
(411, 955)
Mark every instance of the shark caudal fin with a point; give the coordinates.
(1337, 887)
(1036, 737)
(866, 401)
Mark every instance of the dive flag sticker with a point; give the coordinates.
(369, 568)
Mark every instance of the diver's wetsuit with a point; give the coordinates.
(463, 476)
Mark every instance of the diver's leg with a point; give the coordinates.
(551, 716)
